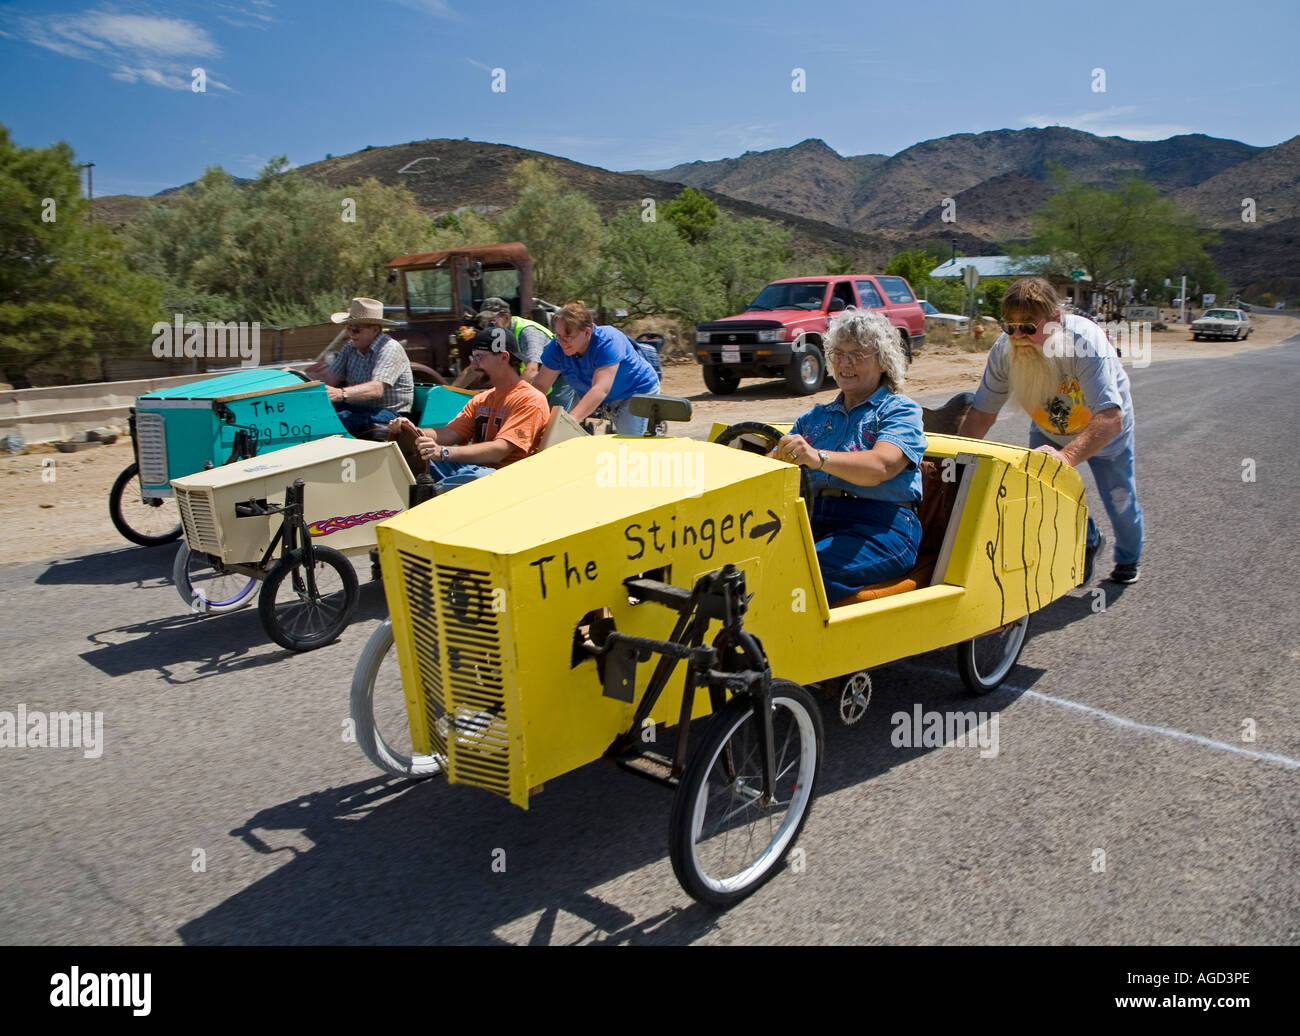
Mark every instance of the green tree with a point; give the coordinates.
(838, 264)
(1128, 233)
(693, 214)
(464, 227)
(915, 264)
(561, 230)
(742, 255)
(650, 269)
(283, 250)
(67, 296)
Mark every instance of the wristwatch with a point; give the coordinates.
(822, 455)
(445, 453)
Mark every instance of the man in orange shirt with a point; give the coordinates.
(499, 426)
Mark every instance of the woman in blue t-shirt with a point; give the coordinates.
(863, 451)
(601, 364)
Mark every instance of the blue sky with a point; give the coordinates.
(622, 86)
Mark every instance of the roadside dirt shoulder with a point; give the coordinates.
(56, 504)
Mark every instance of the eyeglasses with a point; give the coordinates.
(356, 329)
(853, 359)
(1025, 328)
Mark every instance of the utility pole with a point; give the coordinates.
(90, 187)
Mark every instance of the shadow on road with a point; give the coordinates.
(184, 648)
(139, 566)
(1079, 604)
(397, 862)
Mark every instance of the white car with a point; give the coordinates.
(953, 322)
(1221, 323)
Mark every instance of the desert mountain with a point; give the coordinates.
(445, 175)
(808, 179)
(906, 191)
(1271, 178)
(868, 206)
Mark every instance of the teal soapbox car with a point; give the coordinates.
(189, 428)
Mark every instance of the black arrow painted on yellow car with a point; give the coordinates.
(774, 526)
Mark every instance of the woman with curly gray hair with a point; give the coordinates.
(863, 451)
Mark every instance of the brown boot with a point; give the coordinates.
(406, 442)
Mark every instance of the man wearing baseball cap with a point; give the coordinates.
(499, 426)
(533, 339)
(370, 381)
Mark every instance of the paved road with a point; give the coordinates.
(227, 808)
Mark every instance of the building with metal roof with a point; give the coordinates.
(992, 265)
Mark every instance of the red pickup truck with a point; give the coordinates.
(781, 333)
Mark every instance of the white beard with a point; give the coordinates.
(1034, 377)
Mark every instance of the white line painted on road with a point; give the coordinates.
(1146, 728)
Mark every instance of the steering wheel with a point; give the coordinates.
(771, 437)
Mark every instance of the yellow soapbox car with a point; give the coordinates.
(524, 608)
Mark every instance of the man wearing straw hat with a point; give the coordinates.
(370, 381)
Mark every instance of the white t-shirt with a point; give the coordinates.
(1091, 379)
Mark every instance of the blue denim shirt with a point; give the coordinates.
(885, 416)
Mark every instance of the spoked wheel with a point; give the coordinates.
(379, 710)
(149, 523)
(206, 587)
(985, 661)
(299, 615)
(724, 841)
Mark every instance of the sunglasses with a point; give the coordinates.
(842, 359)
(1026, 328)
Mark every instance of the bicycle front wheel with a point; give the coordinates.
(301, 617)
(724, 839)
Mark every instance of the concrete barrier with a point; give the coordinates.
(60, 411)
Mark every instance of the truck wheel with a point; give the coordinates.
(807, 371)
(299, 619)
(907, 343)
(720, 381)
(379, 710)
(724, 840)
(149, 523)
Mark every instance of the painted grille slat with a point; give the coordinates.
(151, 442)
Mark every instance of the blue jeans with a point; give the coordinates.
(860, 542)
(561, 394)
(1118, 489)
(359, 420)
(621, 420)
(449, 473)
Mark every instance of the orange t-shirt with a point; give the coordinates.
(517, 415)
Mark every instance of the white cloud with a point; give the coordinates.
(154, 50)
(105, 31)
(1116, 121)
(436, 8)
(253, 15)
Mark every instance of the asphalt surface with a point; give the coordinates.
(227, 807)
